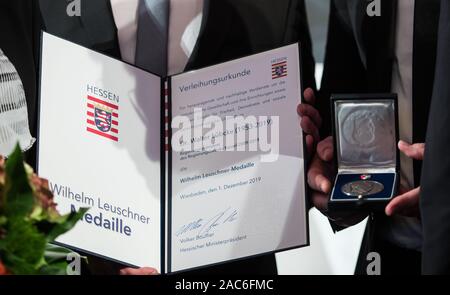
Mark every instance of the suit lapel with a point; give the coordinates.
(374, 37)
(214, 30)
(379, 44)
(426, 23)
(205, 16)
(356, 13)
(56, 20)
(98, 20)
(95, 28)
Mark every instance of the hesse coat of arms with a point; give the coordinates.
(103, 118)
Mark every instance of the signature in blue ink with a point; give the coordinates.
(208, 226)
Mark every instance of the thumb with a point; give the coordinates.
(144, 271)
(309, 96)
(402, 202)
(414, 151)
(325, 149)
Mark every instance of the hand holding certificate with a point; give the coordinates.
(231, 184)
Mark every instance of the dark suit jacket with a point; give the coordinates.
(19, 39)
(435, 199)
(359, 59)
(230, 29)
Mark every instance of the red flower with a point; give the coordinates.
(43, 193)
(3, 270)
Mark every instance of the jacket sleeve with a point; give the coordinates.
(435, 199)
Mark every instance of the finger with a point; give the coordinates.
(310, 144)
(319, 200)
(414, 151)
(309, 128)
(144, 271)
(325, 149)
(309, 96)
(137, 272)
(318, 181)
(403, 202)
(410, 209)
(305, 110)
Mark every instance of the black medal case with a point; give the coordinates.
(365, 134)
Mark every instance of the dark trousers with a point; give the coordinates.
(399, 261)
(394, 260)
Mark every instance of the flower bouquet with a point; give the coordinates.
(29, 221)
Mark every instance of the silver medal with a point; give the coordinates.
(362, 188)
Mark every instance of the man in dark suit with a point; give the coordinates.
(229, 29)
(392, 52)
(435, 199)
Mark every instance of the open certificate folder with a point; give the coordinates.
(182, 172)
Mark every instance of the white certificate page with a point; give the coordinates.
(237, 170)
(99, 146)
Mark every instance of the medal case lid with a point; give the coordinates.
(365, 130)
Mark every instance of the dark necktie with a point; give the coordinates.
(152, 36)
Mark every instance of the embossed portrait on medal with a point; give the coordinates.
(366, 133)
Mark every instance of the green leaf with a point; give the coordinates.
(58, 269)
(19, 200)
(23, 246)
(3, 220)
(68, 222)
(2, 197)
(55, 253)
(56, 258)
(17, 265)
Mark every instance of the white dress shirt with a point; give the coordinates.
(402, 231)
(184, 28)
(125, 14)
(402, 83)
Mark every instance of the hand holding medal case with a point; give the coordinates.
(365, 132)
